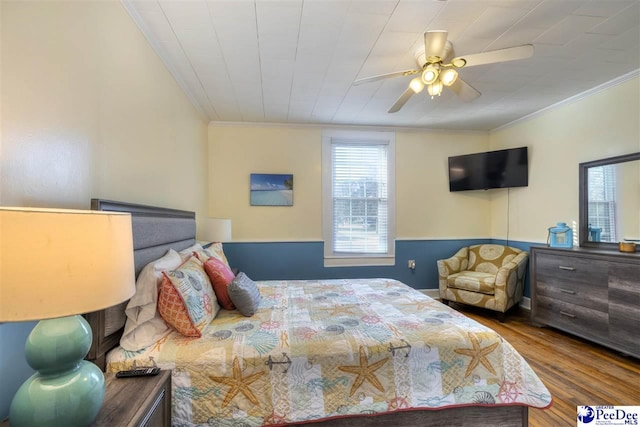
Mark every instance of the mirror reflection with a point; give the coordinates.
(613, 202)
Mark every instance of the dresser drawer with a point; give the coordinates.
(592, 293)
(585, 295)
(136, 402)
(624, 306)
(573, 318)
(576, 281)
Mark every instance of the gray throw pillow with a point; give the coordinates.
(244, 294)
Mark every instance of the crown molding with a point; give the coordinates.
(162, 54)
(587, 93)
(330, 126)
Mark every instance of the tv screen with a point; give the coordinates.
(492, 169)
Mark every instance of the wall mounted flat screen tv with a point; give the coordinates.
(492, 169)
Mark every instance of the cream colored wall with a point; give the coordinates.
(604, 124)
(89, 110)
(237, 151)
(425, 208)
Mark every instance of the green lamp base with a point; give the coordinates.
(65, 390)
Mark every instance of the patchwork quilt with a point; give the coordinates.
(334, 348)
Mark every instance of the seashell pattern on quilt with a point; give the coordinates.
(332, 348)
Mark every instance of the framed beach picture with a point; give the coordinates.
(269, 189)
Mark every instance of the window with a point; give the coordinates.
(602, 201)
(358, 198)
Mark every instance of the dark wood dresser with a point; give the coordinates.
(594, 294)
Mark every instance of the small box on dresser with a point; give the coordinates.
(594, 294)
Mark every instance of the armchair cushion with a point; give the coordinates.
(474, 281)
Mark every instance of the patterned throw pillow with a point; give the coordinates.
(214, 250)
(221, 276)
(186, 300)
(245, 294)
(144, 325)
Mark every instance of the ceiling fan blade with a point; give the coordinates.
(385, 76)
(500, 55)
(435, 42)
(464, 90)
(402, 100)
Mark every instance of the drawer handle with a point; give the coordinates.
(564, 313)
(562, 267)
(155, 405)
(567, 291)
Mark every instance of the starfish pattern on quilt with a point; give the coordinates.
(341, 309)
(364, 371)
(477, 354)
(238, 384)
(418, 305)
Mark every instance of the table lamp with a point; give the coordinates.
(56, 265)
(215, 230)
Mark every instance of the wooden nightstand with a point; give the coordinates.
(138, 401)
(133, 402)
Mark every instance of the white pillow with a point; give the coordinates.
(144, 325)
(186, 253)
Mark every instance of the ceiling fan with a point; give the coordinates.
(438, 68)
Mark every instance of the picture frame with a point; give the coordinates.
(267, 189)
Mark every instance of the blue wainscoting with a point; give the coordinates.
(304, 260)
(14, 369)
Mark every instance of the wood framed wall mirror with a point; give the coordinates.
(609, 201)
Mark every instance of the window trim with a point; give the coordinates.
(332, 259)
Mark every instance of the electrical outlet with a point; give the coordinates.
(411, 264)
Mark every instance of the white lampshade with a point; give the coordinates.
(430, 74)
(448, 76)
(56, 263)
(416, 85)
(215, 230)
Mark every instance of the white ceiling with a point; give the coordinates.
(295, 61)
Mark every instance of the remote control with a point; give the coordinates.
(140, 372)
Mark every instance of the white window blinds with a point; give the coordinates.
(358, 197)
(602, 201)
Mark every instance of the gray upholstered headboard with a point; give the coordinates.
(155, 230)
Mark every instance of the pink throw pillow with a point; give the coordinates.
(221, 276)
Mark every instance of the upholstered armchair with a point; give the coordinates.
(488, 276)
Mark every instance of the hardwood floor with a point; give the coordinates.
(576, 371)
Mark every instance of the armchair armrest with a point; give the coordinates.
(452, 265)
(510, 280)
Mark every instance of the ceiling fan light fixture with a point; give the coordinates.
(435, 88)
(416, 85)
(448, 76)
(430, 74)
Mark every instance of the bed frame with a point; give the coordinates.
(155, 230)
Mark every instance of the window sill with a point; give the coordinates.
(359, 261)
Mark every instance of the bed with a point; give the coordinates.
(357, 352)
